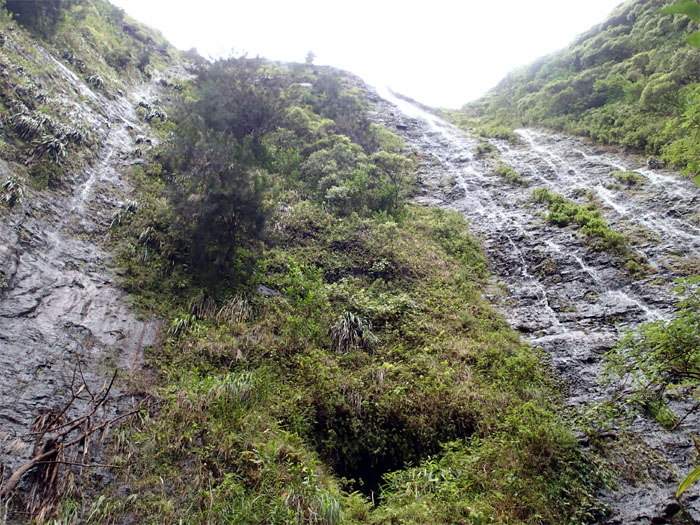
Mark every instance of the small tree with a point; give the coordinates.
(239, 96)
(218, 212)
(217, 183)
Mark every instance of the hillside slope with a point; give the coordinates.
(629, 81)
(310, 345)
(326, 341)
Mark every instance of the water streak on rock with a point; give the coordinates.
(563, 295)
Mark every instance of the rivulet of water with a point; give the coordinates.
(60, 310)
(565, 296)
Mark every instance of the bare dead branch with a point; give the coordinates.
(16, 477)
(53, 436)
(80, 369)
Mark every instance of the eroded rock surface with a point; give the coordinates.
(59, 304)
(563, 295)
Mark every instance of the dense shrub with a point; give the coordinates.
(39, 16)
(647, 364)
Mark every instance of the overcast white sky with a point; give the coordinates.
(440, 52)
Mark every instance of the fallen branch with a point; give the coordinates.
(53, 438)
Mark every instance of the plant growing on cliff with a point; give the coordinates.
(40, 16)
(218, 211)
(350, 331)
(125, 211)
(95, 81)
(51, 146)
(11, 192)
(661, 356)
(25, 126)
(512, 176)
(685, 151)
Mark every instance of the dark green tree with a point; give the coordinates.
(217, 181)
(39, 16)
(218, 217)
(240, 97)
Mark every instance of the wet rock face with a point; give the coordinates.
(562, 295)
(60, 310)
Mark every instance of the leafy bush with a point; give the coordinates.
(39, 16)
(483, 148)
(48, 145)
(684, 149)
(450, 230)
(26, 126)
(181, 325)
(499, 132)
(629, 178)
(126, 211)
(510, 174)
(563, 211)
(239, 97)
(449, 488)
(660, 357)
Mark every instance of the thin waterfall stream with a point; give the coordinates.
(60, 309)
(562, 295)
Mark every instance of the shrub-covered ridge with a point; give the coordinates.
(631, 80)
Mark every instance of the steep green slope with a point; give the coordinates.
(632, 81)
(45, 132)
(339, 354)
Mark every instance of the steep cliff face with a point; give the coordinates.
(565, 293)
(70, 131)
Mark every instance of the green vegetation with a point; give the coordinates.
(660, 360)
(43, 135)
(630, 80)
(484, 148)
(11, 192)
(563, 211)
(39, 16)
(104, 46)
(512, 176)
(691, 9)
(596, 231)
(327, 355)
(495, 131)
(628, 178)
(328, 343)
